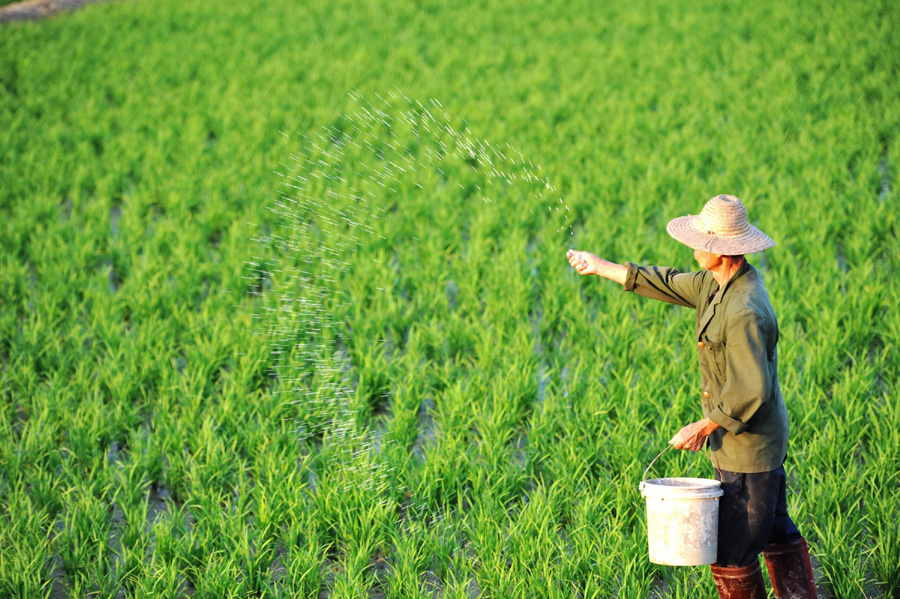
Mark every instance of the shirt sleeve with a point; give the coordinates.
(664, 283)
(748, 384)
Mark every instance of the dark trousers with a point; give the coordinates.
(752, 514)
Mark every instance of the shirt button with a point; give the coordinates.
(701, 345)
(706, 395)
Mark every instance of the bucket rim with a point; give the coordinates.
(683, 488)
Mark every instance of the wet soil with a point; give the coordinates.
(33, 10)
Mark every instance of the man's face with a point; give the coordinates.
(707, 260)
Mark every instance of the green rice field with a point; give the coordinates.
(285, 309)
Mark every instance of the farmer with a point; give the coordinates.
(745, 422)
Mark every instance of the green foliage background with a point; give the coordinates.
(145, 448)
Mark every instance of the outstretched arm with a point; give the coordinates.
(656, 282)
(587, 263)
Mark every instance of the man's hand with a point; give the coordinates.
(585, 263)
(693, 435)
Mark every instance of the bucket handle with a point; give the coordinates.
(644, 478)
(668, 447)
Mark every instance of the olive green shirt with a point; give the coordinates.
(736, 335)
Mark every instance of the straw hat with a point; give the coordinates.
(721, 227)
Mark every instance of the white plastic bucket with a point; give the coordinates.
(682, 520)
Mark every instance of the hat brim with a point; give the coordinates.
(682, 229)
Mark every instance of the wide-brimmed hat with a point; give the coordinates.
(721, 227)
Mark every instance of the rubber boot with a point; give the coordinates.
(745, 582)
(790, 570)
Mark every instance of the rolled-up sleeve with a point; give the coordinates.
(748, 382)
(664, 283)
